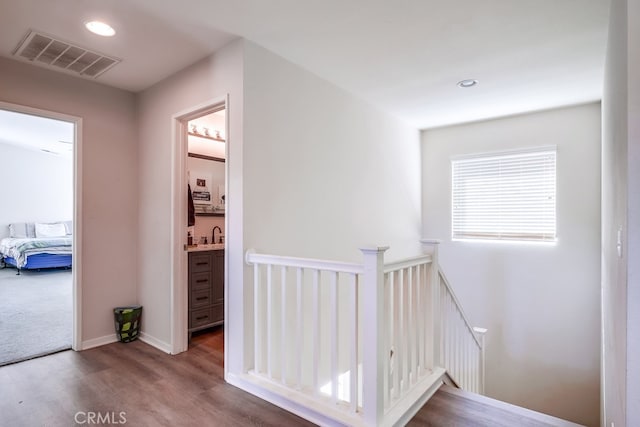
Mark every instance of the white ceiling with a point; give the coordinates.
(404, 56)
(36, 133)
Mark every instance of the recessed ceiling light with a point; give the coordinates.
(100, 28)
(467, 83)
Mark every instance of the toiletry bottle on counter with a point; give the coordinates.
(189, 239)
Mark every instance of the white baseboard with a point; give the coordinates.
(408, 407)
(108, 339)
(303, 408)
(154, 342)
(97, 342)
(312, 410)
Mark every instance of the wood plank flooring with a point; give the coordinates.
(149, 386)
(451, 407)
(152, 388)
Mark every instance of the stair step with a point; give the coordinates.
(453, 407)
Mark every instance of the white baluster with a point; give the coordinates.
(388, 333)
(283, 325)
(354, 380)
(299, 350)
(420, 316)
(396, 334)
(475, 369)
(446, 331)
(333, 336)
(427, 336)
(402, 359)
(452, 340)
(465, 349)
(463, 357)
(269, 330)
(257, 345)
(457, 348)
(316, 330)
(411, 377)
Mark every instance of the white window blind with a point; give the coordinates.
(505, 196)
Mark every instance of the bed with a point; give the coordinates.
(38, 245)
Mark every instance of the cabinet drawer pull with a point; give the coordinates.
(202, 280)
(201, 298)
(202, 263)
(201, 317)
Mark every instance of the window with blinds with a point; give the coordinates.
(505, 196)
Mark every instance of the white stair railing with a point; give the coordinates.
(297, 339)
(360, 343)
(462, 348)
(406, 334)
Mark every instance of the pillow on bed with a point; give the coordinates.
(22, 230)
(68, 226)
(50, 230)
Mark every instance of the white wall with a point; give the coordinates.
(213, 77)
(206, 147)
(36, 186)
(621, 213)
(540, 303)
(325, 173)
(109, 199)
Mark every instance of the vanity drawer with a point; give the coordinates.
(200, 317)
(200, 298)
(199, 262)
(200, 281)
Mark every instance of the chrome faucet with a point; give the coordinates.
(213, 234)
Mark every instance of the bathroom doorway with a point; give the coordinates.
(200, 224)
(206, 161)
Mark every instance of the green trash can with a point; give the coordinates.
(127, 321)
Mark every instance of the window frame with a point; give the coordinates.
(544, 231)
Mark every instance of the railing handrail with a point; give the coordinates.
(406, 263)
(459, 307)
(311, 263)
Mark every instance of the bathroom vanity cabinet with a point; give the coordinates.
(206, 289)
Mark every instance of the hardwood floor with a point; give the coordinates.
(451, 407)
(148, 386)
(137, 385)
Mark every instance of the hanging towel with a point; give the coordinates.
(191, 219)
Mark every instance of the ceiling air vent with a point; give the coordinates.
(46, 50)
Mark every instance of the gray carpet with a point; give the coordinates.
(35, 313)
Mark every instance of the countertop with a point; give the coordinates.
(209, 247)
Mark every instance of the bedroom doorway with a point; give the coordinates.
(200, 259)
(38, 233)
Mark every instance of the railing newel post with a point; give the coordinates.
(372, 330)
(481, 333)
(435, 317)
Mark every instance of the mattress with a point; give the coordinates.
(20, 250)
